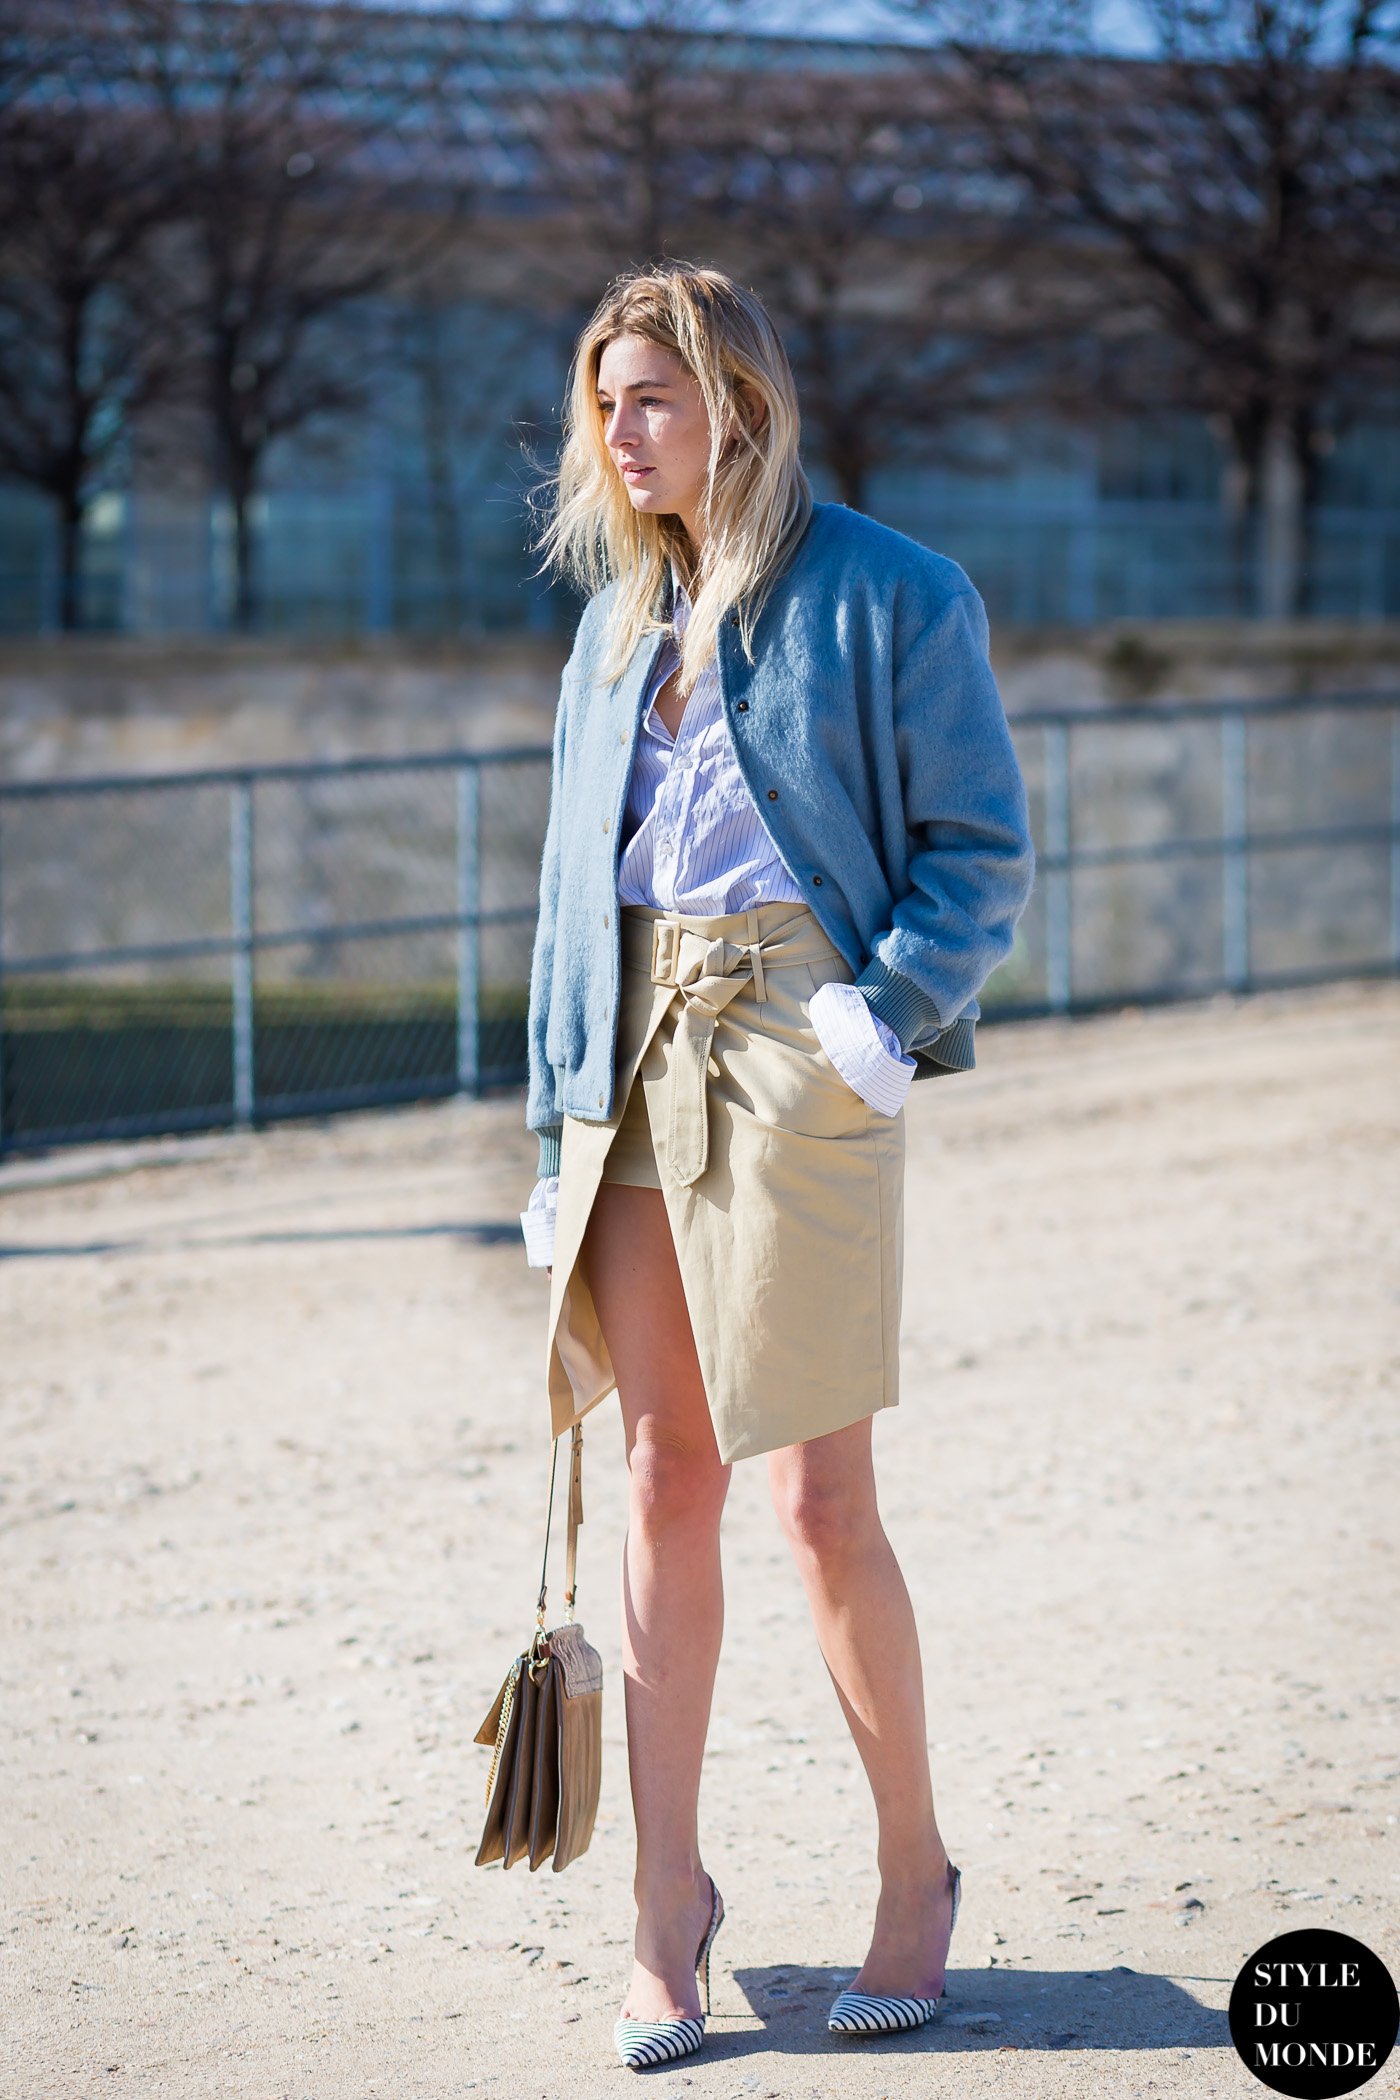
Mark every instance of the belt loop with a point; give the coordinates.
(665, 949)
(755, 953)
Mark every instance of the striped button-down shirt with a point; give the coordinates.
(694, 842)
(692, 838)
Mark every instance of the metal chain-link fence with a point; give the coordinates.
(183, 951)
(197, 949)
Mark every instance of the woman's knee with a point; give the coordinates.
(824, 1514)
(674, 1480)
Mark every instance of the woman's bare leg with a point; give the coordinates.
(673, 1605)
(824, 1493)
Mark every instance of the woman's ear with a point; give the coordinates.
(752, 405)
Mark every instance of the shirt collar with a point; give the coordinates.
(680, 600)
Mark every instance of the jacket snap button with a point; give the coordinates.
(743, 707)
(816, 878)
(622, 736)
(605, 916)
(600, 1101)
(606, 822)
(772, 794)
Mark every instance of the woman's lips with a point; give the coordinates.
(635, 473)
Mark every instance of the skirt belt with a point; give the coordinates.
(708, 973)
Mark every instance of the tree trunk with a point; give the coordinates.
(1239, 486)
(1310, 464)
(244, 597)
(850, 484)
(849, 465)
(448, 548)
(1282, 476)
(70, 561)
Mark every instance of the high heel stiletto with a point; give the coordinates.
(860, 2012)
(641, 2043)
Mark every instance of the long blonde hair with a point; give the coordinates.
(756, 501)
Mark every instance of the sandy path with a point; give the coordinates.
(273, 1462)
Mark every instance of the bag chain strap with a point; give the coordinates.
(506, 1704)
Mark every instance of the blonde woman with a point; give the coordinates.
(787, 843)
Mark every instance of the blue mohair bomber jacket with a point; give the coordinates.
(873, 740)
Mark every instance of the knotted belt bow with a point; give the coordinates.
(708, 974)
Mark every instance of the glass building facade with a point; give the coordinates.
(372, 540)
(409, 516)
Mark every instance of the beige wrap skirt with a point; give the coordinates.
(784, 1191)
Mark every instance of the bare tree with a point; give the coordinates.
(830, 190)
(319, 176)
(912, 310)
(616, 112)
(468, 378)
(85, 191)
(1236, 199)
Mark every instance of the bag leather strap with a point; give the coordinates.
(575, 1519)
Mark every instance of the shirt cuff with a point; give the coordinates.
(864, 1049)
(537, 1222)
(897, 1000)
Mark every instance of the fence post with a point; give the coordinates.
(468, 929)
(1059, 987)
(1234, 869)
(241, 922)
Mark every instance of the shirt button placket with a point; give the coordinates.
(676, 800)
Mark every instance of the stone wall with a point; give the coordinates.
(100, 706)
(97, 705)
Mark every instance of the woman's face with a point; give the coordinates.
(655, 426)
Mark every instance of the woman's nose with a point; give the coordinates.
(620, 428)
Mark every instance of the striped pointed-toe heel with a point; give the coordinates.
(859, 2012)
(642, 2043)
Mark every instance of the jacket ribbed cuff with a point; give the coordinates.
(897, 1000)
(955, 1050)
(550, 1140)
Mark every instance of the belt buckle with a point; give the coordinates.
(665, 950)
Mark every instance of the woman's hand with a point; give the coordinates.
(864, 1049)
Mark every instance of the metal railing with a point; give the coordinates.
(1237, 845)
(235, 945)
(272, 973)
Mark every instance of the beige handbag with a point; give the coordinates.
(547, 1724)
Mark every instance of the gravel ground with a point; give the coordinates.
(273, 1476)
